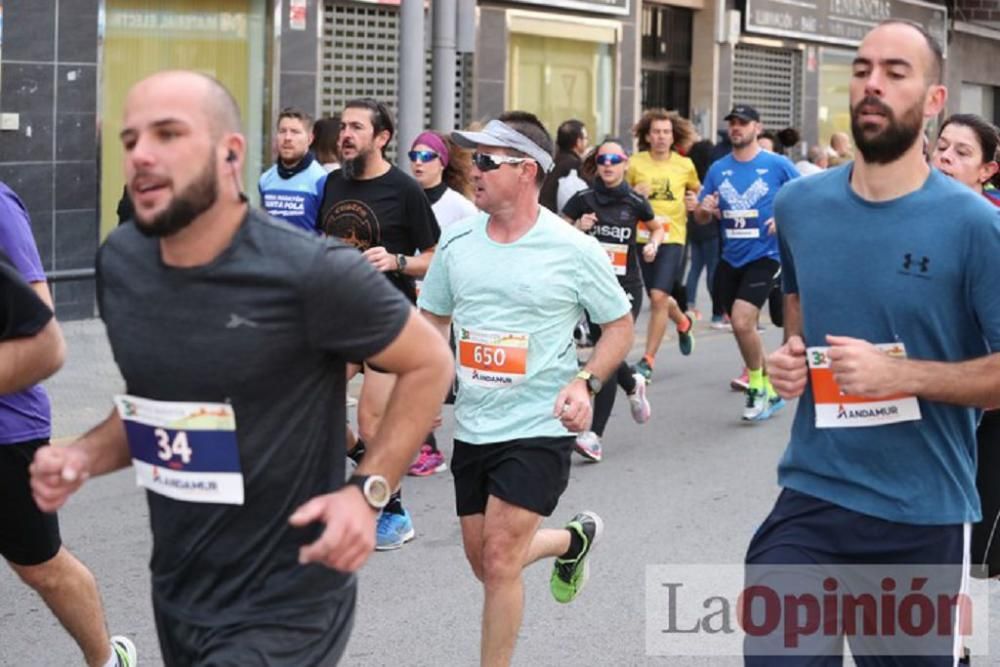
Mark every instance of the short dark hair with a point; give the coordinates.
(381, 117)
(937, 55)
(987, 134)
(324, 143)
(568, 134)
(298, 114)
(772, 136)
(528, 124)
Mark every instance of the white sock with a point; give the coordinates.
(113, 660)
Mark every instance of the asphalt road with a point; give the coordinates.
(686, 489)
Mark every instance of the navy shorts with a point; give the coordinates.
(820, 539)
(665, 270)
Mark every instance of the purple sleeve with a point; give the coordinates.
(16, 239)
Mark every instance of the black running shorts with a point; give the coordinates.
(297, 636)
(665, 270)
(751, 283)
(28, 536)
(531, 473)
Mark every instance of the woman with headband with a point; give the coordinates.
(442, 169)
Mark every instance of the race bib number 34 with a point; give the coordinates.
(184, 451)
(491, 359)
(835, 409)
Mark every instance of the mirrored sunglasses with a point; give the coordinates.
(422, 156)
(489, 162)
(611, 159)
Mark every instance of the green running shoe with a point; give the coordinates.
(645, 370)
(569, 575)
(685, 340)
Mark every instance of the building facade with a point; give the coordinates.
(65, 66)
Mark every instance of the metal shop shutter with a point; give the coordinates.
(360, 49)
(770, 80)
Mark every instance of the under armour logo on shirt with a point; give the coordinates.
(908, 261)
(236, 321)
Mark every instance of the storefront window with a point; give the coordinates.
(223, 38)
(557, 79)
(834, 93)
(980, 100)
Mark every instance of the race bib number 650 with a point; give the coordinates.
(184, 451)
(492, 359)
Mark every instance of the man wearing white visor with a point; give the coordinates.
(513, 281)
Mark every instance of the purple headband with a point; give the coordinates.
(435, 142)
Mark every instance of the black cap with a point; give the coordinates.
(743, 112)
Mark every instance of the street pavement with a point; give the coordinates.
(688, 488)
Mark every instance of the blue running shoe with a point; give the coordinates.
(393, 531)
(774, 403)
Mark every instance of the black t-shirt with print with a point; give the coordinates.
(390, 210)
(618, 211)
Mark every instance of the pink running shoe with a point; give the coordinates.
(428, 463)
(638, 403)
(740, 382)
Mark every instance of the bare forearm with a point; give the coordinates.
(657, 236)
(416, 267)
(612, 348)
(27, 361)
(975, 382)
(413, 405)
(792, 316)
(105, 445)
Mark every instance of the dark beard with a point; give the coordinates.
(744, 143)
(194, 200)
(892, 142)
(355, 168)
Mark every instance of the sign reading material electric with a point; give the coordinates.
(840, 21)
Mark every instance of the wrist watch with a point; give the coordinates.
(594, 384)
(400, 262)
(375, 489)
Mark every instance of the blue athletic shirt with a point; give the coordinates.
(922, 270)
(295, 200)
(746, 198)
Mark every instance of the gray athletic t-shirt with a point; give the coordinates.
(266, 327)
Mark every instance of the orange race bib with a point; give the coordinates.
(492, 359)
(835, 409)
(642, 233)
(618, 254)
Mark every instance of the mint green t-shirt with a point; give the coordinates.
(513, 308)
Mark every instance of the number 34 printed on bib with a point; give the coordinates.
(492, 359)
(184, 451)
